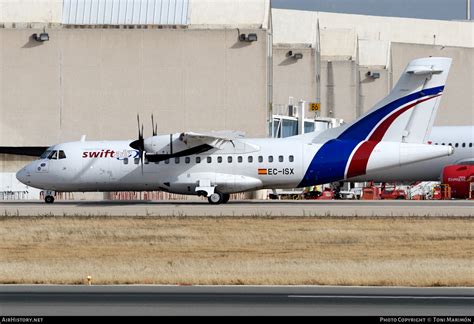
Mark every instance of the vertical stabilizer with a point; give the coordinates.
(380, 138)
(407, 114)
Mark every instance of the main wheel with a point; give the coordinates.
(225, 198)
(216, 198)
(49, 199)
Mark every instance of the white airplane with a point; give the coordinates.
(392, 134)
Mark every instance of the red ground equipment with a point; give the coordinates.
(459, 179)
(441, 192)
(370, 193)
(392, 193)
(327, 194)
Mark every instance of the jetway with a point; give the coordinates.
(290, 120)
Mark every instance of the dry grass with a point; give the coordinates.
(408, 251)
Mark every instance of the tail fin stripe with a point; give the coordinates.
(360, 159)
(362, 129)
(358, 163)
(329, 163)
(380, 130)
(335, 154)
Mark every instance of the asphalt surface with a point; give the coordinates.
(233, 300)
(241, 208)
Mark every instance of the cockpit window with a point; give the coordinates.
(53, 155)
(45, 154)
(62, 155)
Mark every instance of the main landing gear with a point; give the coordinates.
(49, 199)
(218, 198)
(214, 197)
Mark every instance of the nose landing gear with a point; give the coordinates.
(48, 196)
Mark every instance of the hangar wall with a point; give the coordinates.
(95, 81)
(346, 47)
(291, 77)
(347, 90)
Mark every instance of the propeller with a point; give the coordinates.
(139, 144)
(154, 126)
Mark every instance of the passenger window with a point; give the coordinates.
(239, 159)
(187, 160)
(167, 161)
(442, 144)
(270, 158)
(250, 159)
(463, 144)
(260, 159)
(136, 160)
(456, 145)
(53, 155)
(198, 159)
(219, 159)
(176, 160)
(229, 159)
(280, 158)
(209, 159)
(291, 158)
(470, 144)
(125, 161)
(450, 144)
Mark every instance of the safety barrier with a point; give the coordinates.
(14, 195)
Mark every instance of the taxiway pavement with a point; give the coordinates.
(240, 208)
(132, 300)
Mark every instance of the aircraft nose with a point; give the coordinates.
(23, 175)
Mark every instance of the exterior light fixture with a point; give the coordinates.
(43, 37)
(296, 56)
(252, 38)
(248, 38)
(373, 75)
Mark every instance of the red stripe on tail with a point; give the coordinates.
(358, 164)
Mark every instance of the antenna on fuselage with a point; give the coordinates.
(83, 138)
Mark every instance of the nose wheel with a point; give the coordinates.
(49, 199)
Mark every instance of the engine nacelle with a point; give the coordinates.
(459, 178)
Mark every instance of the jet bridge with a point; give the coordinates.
(290, 120)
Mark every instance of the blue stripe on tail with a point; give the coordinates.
(329, 163)
(362, 128)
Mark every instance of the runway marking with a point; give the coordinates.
(382, 297)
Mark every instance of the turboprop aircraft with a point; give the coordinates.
(215, 164)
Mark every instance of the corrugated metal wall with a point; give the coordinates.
(125, 12)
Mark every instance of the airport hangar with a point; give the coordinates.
(202, 65)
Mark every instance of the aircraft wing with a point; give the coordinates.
(190, 143)
(215, 139)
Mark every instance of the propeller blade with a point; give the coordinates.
(138, 125)
(154, 126)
